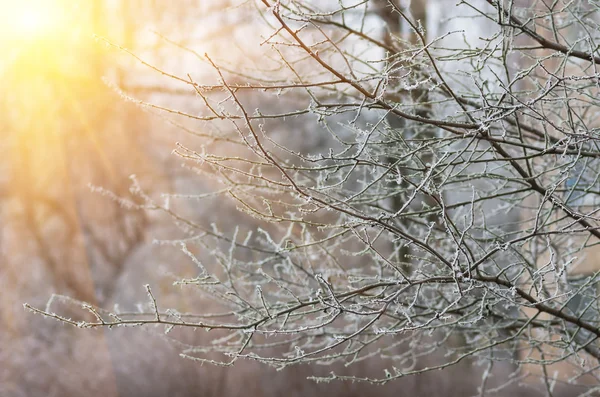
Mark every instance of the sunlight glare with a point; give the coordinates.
(29, 19)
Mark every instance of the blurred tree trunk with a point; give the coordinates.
(398, 34)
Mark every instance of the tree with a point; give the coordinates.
(412, 190)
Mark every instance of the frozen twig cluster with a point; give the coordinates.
(452, 201)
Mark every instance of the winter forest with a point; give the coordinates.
(299, 198)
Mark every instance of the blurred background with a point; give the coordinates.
(66, 131)
(74, 137)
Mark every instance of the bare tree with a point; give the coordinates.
(417, 195)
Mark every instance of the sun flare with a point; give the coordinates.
(29, 19)
(48, 48)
